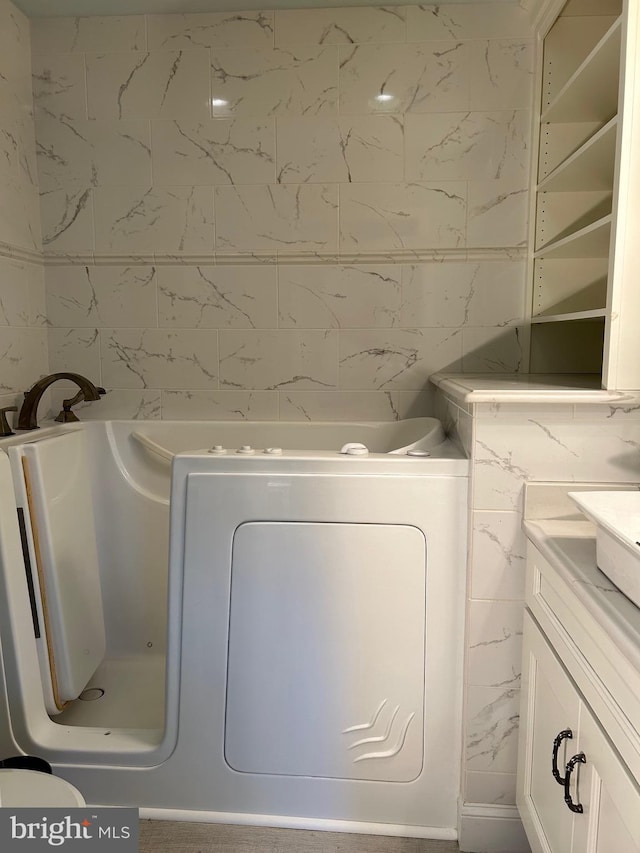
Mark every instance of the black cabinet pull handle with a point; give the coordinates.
(565, 733)
(580, 758)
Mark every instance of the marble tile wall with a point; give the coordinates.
(23, 336)
(296, 214)
(510, 444)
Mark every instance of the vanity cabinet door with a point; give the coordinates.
(609, 795)
(550, 714)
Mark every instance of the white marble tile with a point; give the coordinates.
(359, 148)
(95, 33)
(59, 88)
(220, 405)
(494, 643)
(101, 296)
(462, 294)
(467, 21)
(159, 358)
(37, 295)
(399, 78)
(354, 405)
(75, 350)
(498, 552)
(93, 153)
(23, 356)
(20, 215)
(396, 359)
(380, 217)
(137, 85)
(155, 219)
(628, 410)
(468, 146)
(331, 297)
(217, 30)
(497, 789)
(216, 151)
(116, 403)
(492, 729)
(14, 45)
(298, 81)
(27, 165)
(339, 26)
(510, 451)
(9, 139)
(277, 218)
(487, 350)
(501, 75)
(67, 219)
(278, 360)
(14, 293)
(211, 297)
(498, 213)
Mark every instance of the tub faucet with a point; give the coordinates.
(27, 419)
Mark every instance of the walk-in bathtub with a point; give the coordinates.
(290, 654)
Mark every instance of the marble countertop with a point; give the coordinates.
(570, 546)
(528, 388)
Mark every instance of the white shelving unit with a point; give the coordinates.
(585, 263)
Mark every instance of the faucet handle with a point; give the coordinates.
(5, 429)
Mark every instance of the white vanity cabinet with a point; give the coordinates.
(573, 725)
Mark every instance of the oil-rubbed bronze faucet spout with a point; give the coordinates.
(27, 419)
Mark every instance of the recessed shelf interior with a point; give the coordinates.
(591, 167)
(591, 93)
(563, 215)
(568, 347)
(569, 286)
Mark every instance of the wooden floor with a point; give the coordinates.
(158, 836)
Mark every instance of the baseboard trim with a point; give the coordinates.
(491, 829)
(437, 833)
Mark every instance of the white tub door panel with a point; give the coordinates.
(326, 650)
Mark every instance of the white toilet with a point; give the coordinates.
(29, 788)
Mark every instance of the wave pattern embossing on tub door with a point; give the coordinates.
(380, 739)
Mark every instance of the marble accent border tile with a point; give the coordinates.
(340, 26)
(272, 257)
(220, 405)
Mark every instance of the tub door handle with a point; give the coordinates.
(580, 758)
(564, 734)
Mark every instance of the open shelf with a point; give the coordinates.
(591, 167)
(574, 315)
(588, 95)
(589, 242)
